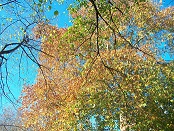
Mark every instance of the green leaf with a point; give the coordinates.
(40, 1)
(56, 13)
(72, 46)
(39, 5)
(49, 7)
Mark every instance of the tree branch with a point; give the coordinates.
(8, 3)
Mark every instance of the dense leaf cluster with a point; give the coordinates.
(106, 71)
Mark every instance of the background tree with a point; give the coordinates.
(10, 120)
(105, 71)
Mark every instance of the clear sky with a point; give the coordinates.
(167, 3)
(28, 69)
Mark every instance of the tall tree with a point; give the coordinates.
(105, 71)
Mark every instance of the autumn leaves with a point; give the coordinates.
(98, 73)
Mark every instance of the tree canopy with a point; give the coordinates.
(105, 72)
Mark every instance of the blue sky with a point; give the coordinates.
(28, 69)
(167, 3)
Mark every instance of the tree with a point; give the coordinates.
(10, 120)
(105, 71)
(18, 45)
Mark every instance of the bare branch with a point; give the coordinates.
(8, 125)
(13, 1)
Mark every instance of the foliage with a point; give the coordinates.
(104, 71)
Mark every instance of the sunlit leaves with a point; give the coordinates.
(103, 73)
